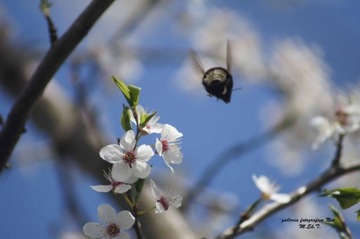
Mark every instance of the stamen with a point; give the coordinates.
(164, 202)
(113, 230)
(129, 158)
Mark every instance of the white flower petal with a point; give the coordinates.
(324, 130)
(319, 122)
(139, 110)
(131, 179)
(153, 127)
(159, 208)
(167, 145)
(128, 142)
(155, 191)
(93, 230)
(158, 147)
(121, 170)
(144, 153)
(122, 188)
(111, 153)
(102, 188)
(262, 183)
(269, 189)
(280, 197)
(106, 214)
(174, 198)
(173, 156)
(123, 235)
(125, 220)
(170, 132)
(141, 170)
(171, 168)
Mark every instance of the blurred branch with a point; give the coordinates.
(231, 153)
(139, 15)
(332, 173)
(15, 122)
(67, 187)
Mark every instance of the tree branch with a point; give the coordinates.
(55, 57)
(270, 209)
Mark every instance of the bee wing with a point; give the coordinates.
(228, 56)
(197, 63)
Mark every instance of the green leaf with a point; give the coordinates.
(125, 119)
(131, 92)
(358, 215)
(138, 188)
(144, 119)
(134, 94)
(123, 88)
(337, 222)
(346, 197)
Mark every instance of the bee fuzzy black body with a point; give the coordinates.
(218, 82)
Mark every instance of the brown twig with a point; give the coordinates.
(52, 61)
(45, 9)
(270, 209)
(138, 230)
(52, 30)
(339, 146)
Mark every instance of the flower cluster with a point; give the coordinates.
(130, 167)
(129, 164)
(131, 160)
(346, 120)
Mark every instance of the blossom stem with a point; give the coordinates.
(246, 215)
(339, 146)
(137, 225)
(127, 199)
(146, 211)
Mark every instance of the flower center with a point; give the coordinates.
(265, 196)
(129, 158)
(164, 202)
(165, 145)
(342, 117)
(113, 230)
(115, 184)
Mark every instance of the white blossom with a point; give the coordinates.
(127, 159)
(152, 126)
(118, 184)
(346, 120)
(269, 190)
(164, 200)
(168, 145)
(111, 224)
